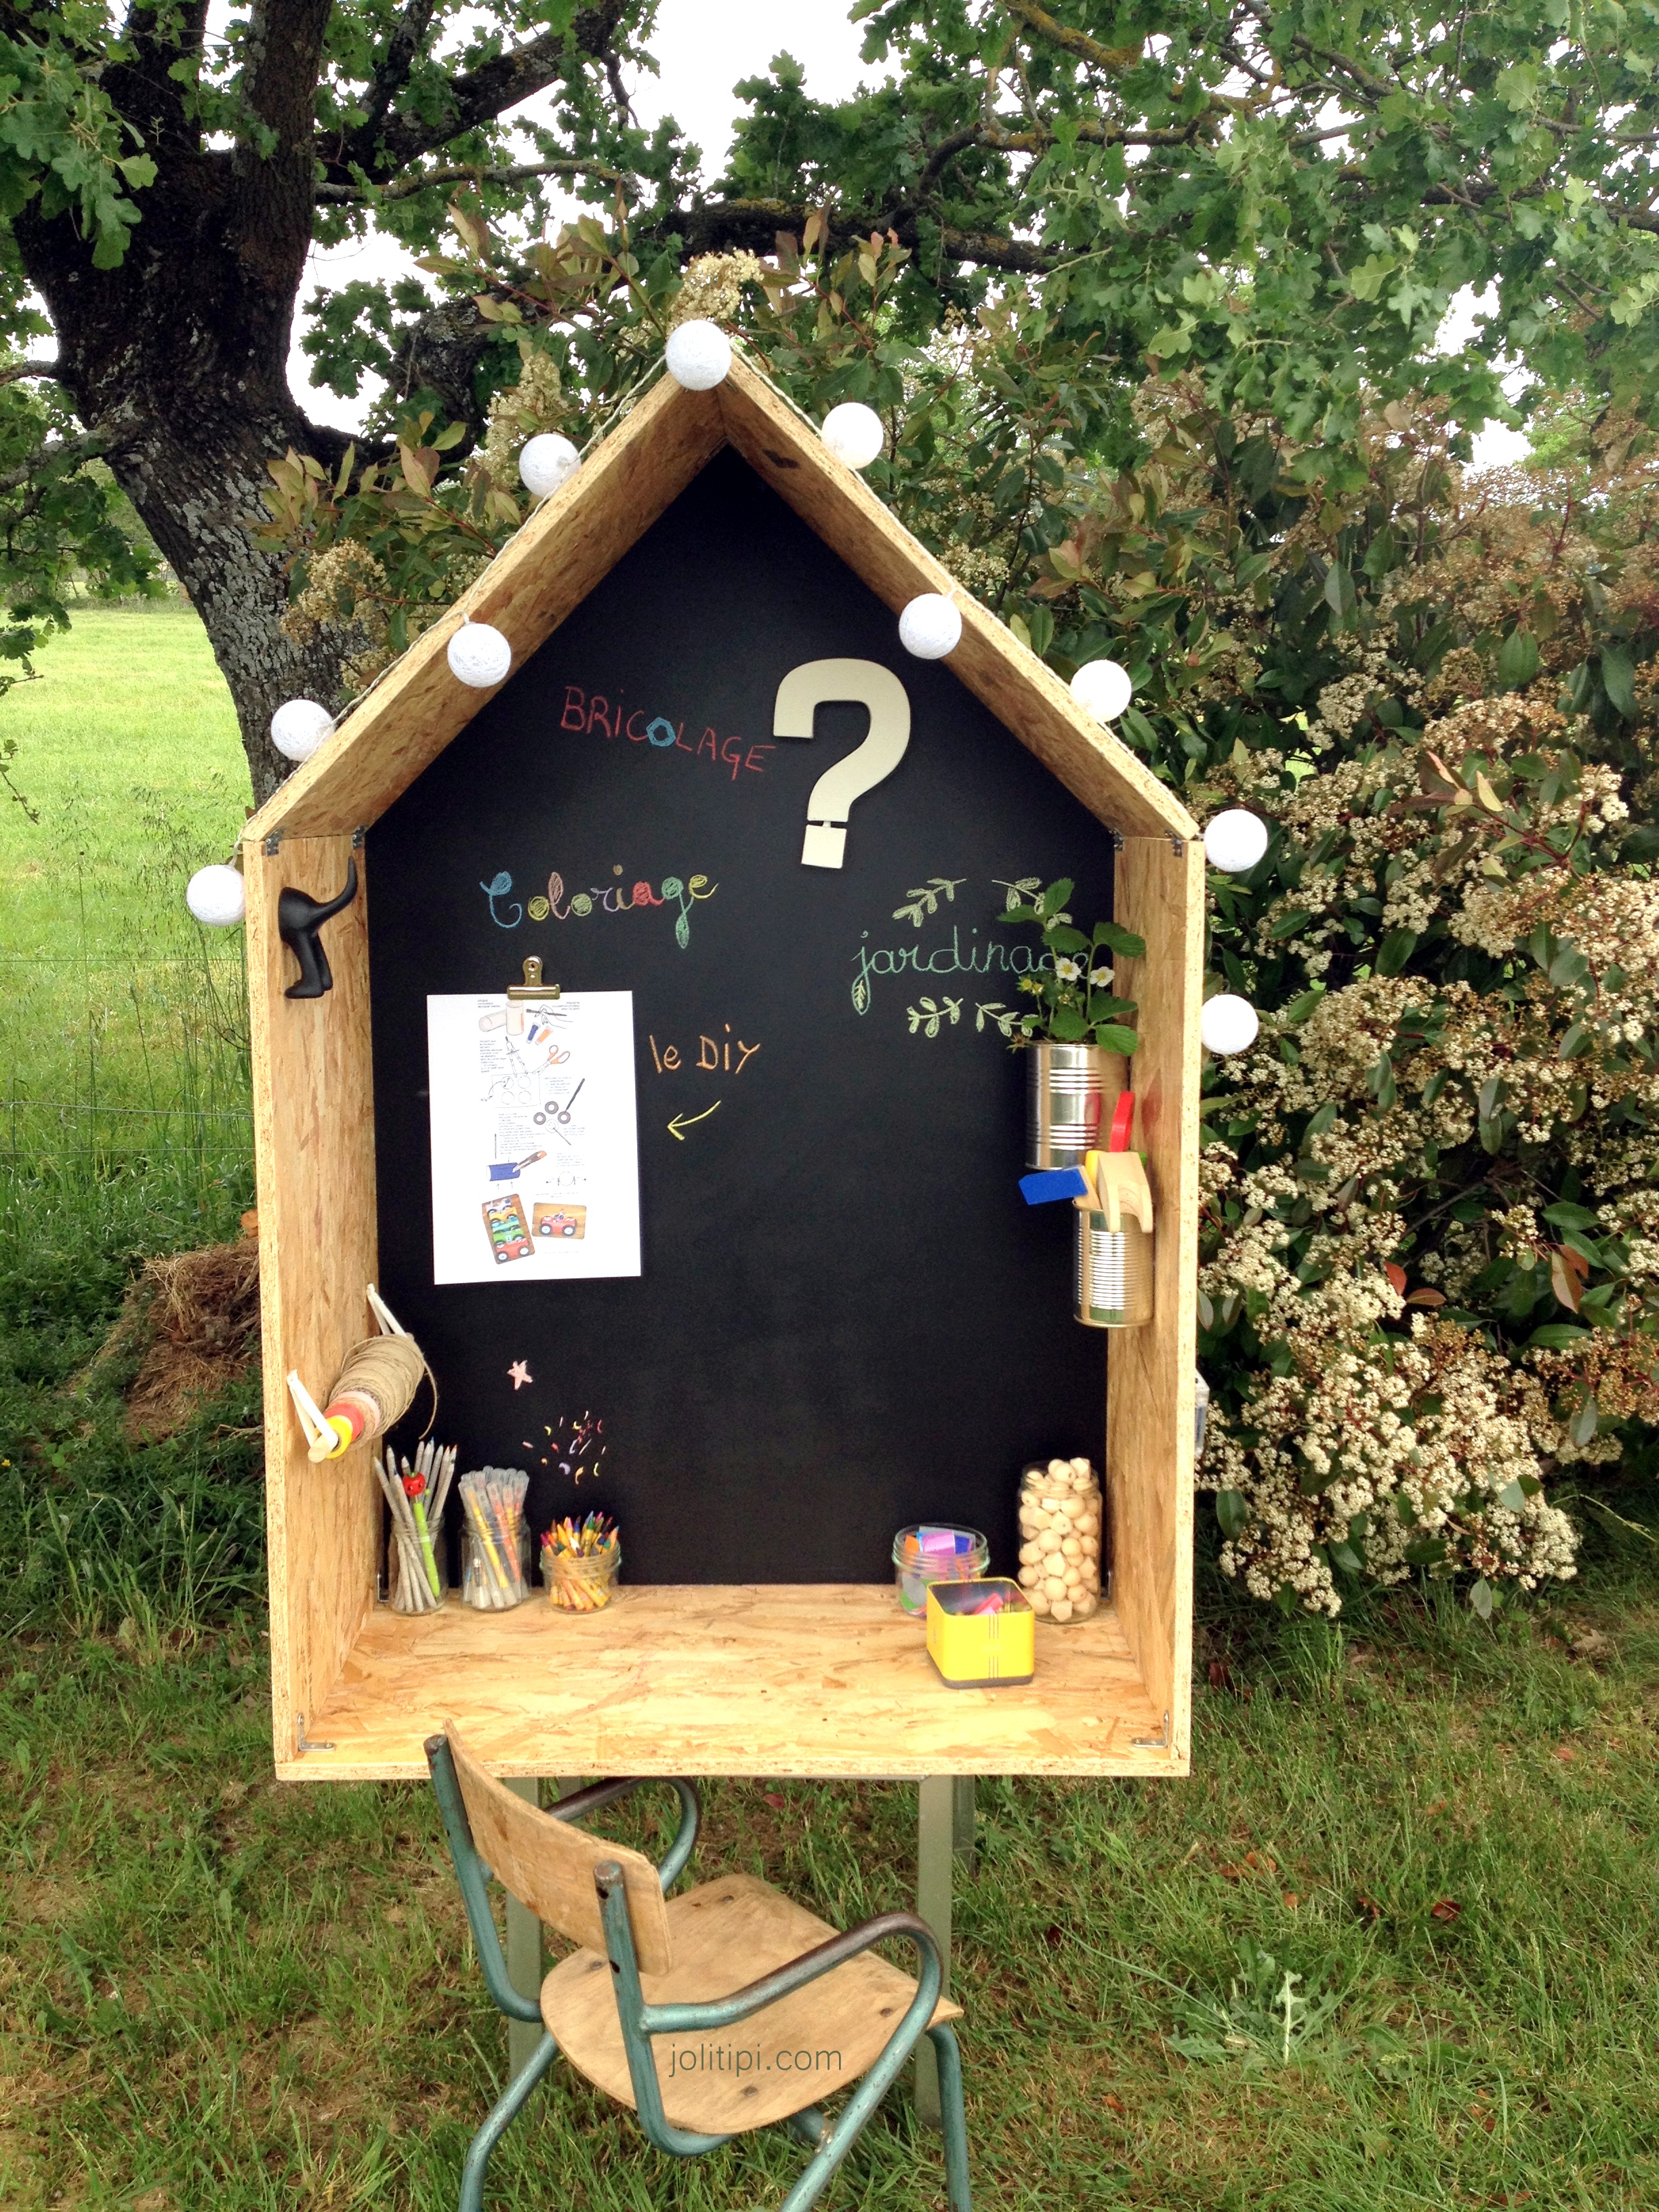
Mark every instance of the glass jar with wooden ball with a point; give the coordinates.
(1059, 1539)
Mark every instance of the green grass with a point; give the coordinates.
(123, 1117)
(225, 1992)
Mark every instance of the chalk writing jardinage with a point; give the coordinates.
(587, 711)
(949, 956)
(672, 895)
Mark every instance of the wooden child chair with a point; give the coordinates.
(694, 2010)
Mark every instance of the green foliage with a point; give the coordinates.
(1072, 983)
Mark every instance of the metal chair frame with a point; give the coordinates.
(828, 2140)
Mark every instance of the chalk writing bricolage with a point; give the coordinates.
(586, 712)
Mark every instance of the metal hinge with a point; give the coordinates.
(1116, 837)
(1178, 845)
(273, 844)
(1146, 1742)
(357, 836)
(301, 1747)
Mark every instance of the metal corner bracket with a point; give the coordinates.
(1136, 1742)
(301, 1746)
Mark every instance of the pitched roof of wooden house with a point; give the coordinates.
(575, 537)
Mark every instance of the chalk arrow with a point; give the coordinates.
(681, 1123)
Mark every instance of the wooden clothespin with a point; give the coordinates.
(1117, 1176)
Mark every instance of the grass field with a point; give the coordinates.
(122, 1051)
(219, 1993)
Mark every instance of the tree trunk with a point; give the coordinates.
(181, 351)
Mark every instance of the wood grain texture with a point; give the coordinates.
(1017, 687)
(549, 1865)
(820, 1679)
(1149, 1399)
(728, 1933)
(569, 543)
(314, 1143)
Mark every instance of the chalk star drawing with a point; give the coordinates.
(520, 1371)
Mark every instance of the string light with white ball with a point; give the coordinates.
(930, 627)
(479, 656)
(1102, 688)
(1236, 841)
(298, 726)
(853, 433)
(1228, 1023)
(547, 464)
(698, 355)
(217, 896)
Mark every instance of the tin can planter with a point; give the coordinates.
(1114, 1273)
(1070, 1091)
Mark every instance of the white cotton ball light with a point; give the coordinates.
(1236, 841)
(1229, 1024)
(547, 464)
(1102, 688)
(298, 726)
(699, 355)
(930, 627)
(479, 656)
(853, 433)
(217, 896)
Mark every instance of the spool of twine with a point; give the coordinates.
(376, 1386)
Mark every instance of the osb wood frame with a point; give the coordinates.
(314, 1143)
(312, 1078)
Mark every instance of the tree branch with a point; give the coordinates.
(519, 173)
(69, 452)
(392, 70)
(22, 369)
(476, 99)
(1073, 42)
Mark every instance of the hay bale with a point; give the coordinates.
(193, 1318)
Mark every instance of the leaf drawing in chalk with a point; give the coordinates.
(672, 888)
(1000, 1016)
(1020, 892)
(927, 1017)
(927, 897)
(860, 995)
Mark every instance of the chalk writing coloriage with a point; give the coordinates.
(600, 898)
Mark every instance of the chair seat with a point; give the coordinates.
(799, 2050)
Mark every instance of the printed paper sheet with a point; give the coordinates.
(535, 1153)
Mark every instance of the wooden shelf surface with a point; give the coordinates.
(816, 1680)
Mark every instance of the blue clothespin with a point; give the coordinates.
(1050, 1184)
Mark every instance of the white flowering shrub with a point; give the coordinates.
(1429, 1276)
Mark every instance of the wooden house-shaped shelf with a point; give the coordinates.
(800, 1661)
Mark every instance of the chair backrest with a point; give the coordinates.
(548, 1864)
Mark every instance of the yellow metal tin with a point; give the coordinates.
(981, 1650)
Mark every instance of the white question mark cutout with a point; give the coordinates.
(830, 801)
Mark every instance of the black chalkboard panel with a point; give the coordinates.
(848, 1318)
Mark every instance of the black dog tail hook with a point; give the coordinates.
(299, 918)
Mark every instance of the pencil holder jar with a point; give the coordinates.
(928, 1554)
(408, 1582)
(581, 1581)
(1059, 1539)
(494, 1571)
